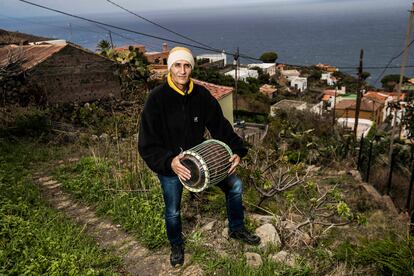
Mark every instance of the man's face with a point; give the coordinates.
(180, 73)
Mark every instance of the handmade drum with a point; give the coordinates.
(209, 164)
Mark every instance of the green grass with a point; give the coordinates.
(138, 207)
(391, 256)
(35, 239)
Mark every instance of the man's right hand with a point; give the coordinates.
(179, 168)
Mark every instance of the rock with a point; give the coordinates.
(341, 173)
(253, 259)
(268, 234)
(284, 258)
(390, 204)
(209, 226)
(372, 192)
(356, 175)
(225, 233)
(193, 270)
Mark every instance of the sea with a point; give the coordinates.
(301, 35)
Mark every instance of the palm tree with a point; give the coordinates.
(103, 46)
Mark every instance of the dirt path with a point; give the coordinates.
(137, 260)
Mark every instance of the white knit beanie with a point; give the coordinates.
(180, 53)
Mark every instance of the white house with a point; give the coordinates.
(213, 57)
(268, 68)
(299, 83)
(290, 73)
(330, 80)
(243, 74)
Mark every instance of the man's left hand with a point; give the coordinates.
(235, 160)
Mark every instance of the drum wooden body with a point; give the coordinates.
(209, 164)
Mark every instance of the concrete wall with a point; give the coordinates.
(73, 74)
(226, 104)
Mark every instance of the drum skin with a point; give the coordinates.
(208, 163)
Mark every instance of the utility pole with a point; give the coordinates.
(402, 68)
(110, 37)
(236, 59)
(359, 93)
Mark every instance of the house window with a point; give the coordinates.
(157, 61)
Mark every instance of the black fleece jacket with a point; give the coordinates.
(171, 122)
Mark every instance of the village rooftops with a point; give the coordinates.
(218, 91)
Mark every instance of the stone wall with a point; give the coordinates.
(73, 74)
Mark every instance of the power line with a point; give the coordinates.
(132, 31)
(160, 26)
(386, 67)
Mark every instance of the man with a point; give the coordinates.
(174, 119)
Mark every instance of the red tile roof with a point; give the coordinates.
(366, 105)
(30, 55)
(218, 91)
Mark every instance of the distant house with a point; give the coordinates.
(268, 90)
(369, 110)
(289, 74)
(268, 68)
(214, 58)
(385, 99)
(243, 74)
(326, 67)
(223, 94)
(299, 83)
(63, 72)
(154, 57)
(158, 57)
(330, 80)
(139, 47)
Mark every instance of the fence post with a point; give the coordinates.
(390, 173)
(369, 161)
(361, 145)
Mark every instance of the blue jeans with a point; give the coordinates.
(172, 191)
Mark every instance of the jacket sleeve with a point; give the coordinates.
(151, 146)
(221, 129)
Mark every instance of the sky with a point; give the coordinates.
(18, 9)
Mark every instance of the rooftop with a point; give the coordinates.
(218, 91)
(28, 55)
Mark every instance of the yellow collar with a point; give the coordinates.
(173, 86)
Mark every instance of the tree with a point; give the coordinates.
(103, 46)
(409, 116)
(365, 75)
(269, 57)
(389, 81)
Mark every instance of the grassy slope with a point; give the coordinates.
(35, 239)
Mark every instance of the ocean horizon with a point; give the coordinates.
(299, 36)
